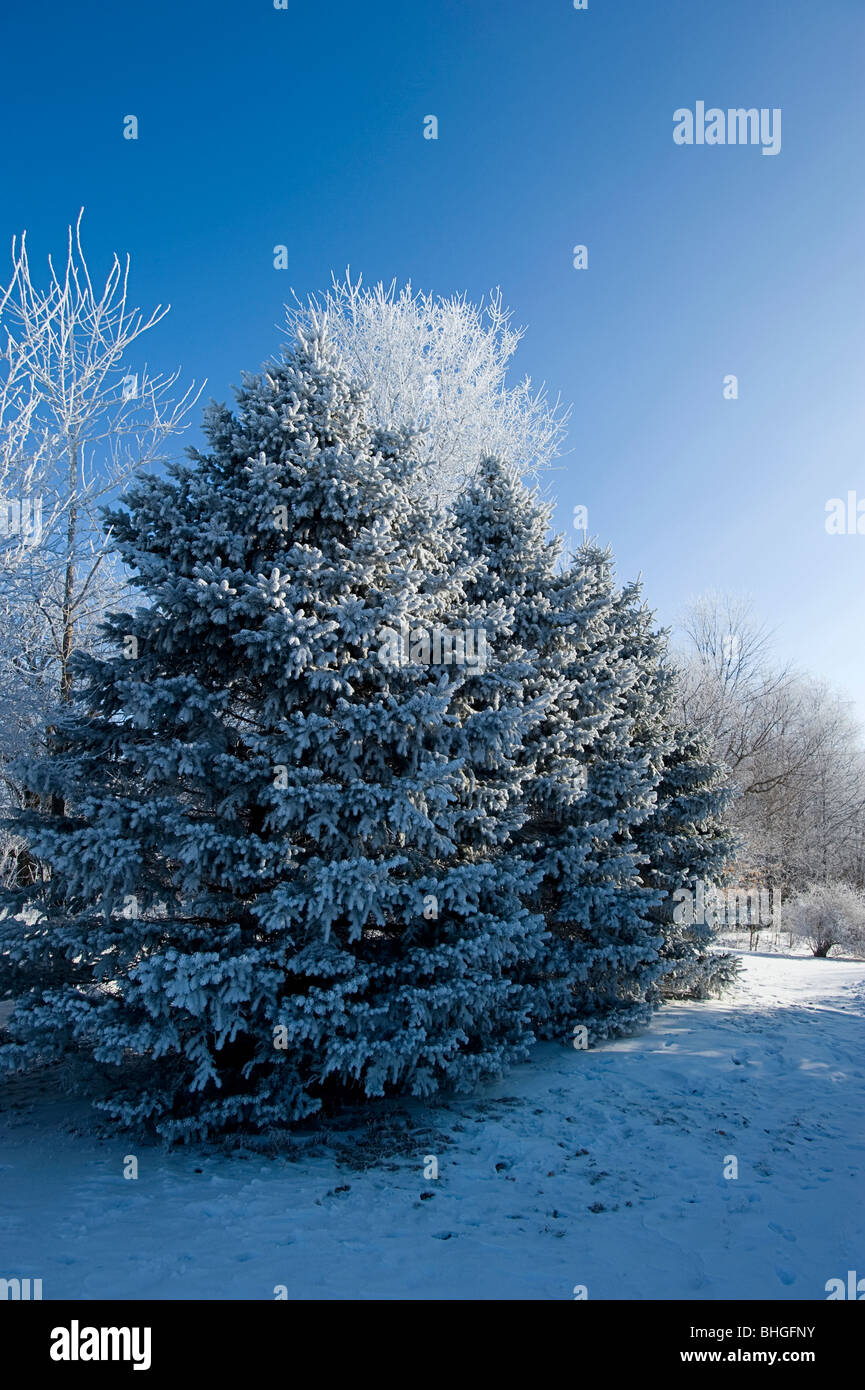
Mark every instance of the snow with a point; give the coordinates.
(602, 1168)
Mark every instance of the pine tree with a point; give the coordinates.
(688, 847)
(585, 783)
(280, 876)
(684, 839)
(606, 925)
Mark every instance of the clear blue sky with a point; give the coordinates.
(304, 127)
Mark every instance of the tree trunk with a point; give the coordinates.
(67, 626)
(68, 622)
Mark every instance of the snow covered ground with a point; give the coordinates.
(602, 1169)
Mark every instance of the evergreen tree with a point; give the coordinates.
(280, 873)
(683, 840)
(586, 783)
(688, 846)
(606, 928)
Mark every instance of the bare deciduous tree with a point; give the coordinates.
(77, 419)
(439, 367)
(790, 743)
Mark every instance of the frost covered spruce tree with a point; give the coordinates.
(688, 846)
(587, 782)
(612, 904)
(683, 841)
(684, 844)
(607, 942)
(280, 875)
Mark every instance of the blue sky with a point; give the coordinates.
(260, 126)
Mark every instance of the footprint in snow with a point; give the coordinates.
(779, 1230)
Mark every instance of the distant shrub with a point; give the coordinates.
(826, 915)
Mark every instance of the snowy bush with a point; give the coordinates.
(826, 915)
